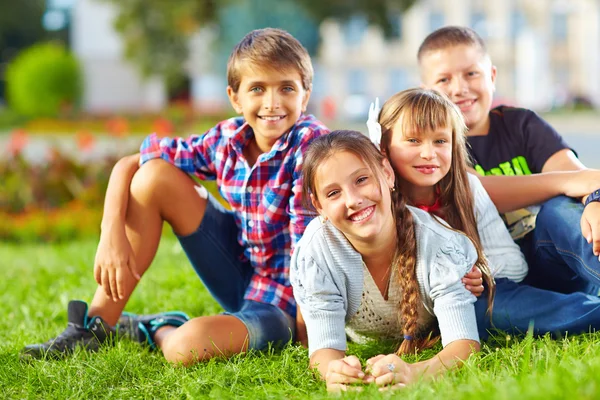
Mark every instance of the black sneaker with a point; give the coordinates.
(82, 331)
(141, 328)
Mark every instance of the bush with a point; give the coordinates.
(43, 80)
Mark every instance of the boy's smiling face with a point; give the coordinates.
(467, 77)
(270, 100)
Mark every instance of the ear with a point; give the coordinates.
(315, 203)
(388, 173)
(493, 76)
(233, 99)
(305, 99)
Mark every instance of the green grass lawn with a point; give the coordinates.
(37, 281)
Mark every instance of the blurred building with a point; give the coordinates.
(546, 52)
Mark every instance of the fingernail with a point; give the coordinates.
(468, 287)
(361, 375)
(589, 239)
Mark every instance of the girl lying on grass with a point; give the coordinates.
(371, 267)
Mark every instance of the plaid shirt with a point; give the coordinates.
(266, 198)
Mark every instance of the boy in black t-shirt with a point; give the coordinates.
(515, 141)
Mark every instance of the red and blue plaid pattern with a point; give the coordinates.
(266, 198)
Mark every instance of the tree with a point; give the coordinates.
(156, 32)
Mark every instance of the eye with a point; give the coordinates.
(412, 140)
(288, 89)
(441, 141)
(362, 179)
(332, 193)
(473, 73)
(442, 81)
(256, 89)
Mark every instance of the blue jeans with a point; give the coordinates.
(559, 257)
(517, 307)
(219, 261)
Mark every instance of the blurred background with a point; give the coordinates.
(83, 81)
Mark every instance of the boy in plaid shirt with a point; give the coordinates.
(242, 255)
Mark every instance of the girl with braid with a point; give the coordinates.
(372, 267)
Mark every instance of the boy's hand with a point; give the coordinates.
(114, 259)
(389, 370)
(590, 226)
(343, 372)
(473, 281)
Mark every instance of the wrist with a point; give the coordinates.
(594, 196)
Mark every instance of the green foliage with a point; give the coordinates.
(38, 281)
(43, 80)
(156, 32)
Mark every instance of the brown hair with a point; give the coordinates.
(405, 258)
(423, 110)
(449, 36)
(272, 48)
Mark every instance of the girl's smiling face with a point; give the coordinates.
(421, 159)
(354, 198)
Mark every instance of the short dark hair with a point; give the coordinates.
(449, 36)
(272, 48)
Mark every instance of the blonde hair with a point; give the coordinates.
(269, 48)
(405, 257)
(417, 111)
(450, 36)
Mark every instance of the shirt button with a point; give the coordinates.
(251, 223)
(249, 189)
(256, 249)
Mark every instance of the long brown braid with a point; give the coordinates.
(420, 111)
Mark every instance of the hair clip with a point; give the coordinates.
(373, 126)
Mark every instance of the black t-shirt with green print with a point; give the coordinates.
(519, 142)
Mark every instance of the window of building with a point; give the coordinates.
(397, 81)
(559, 27)
(357, 81)
(436, 20)
(354, 30)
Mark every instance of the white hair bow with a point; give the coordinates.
(373, 126)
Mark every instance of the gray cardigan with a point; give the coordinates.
(327, 277)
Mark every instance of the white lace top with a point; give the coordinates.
(378, 318)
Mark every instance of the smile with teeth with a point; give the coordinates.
(271, 117)
(466, 103)
(362, 214)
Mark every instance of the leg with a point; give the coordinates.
(518, 306)
(159, 192)
(559, 257)
(253, 327)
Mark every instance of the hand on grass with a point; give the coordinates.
(473, 281)
(590, 226)
(114, 259)
(342, 373)
(389, 372)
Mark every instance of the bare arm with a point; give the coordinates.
(114, 253)
(510, 193)
(301, 334)
(117, 193)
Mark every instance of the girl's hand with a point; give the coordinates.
(473, 281)
(389, 371)
(342, 372)
(114, 259)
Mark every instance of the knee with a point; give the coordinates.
(184, 349)
(155, 177)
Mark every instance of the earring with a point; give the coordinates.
(393, 189)
(323, 219)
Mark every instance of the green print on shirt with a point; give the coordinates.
(517, 166)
